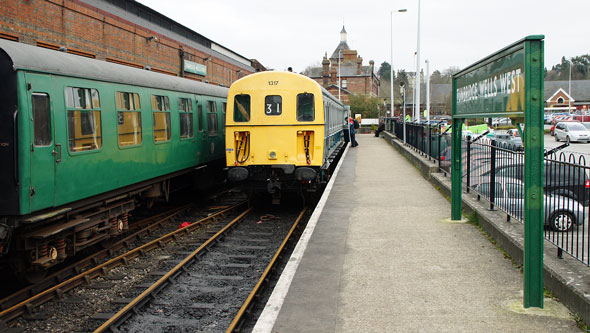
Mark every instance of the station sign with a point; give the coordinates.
(509, 83)
(195, 68)
(495, 86)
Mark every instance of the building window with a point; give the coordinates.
(160, 110)
(84, 127)
(560, 100)
(305, 107)
(273, 105)
(242, 108)
(211, 118)
(128, 119)
(344, 84)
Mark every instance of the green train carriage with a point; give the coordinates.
(81, 140)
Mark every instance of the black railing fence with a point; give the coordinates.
(495, 171)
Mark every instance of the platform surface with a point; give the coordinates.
(384, 257)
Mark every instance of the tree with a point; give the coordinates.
(436, 77)
(385, 71)
(308, 70)
(367, 106)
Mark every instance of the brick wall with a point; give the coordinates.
(89, 31)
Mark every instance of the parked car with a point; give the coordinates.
(571, 131)
(561, 213)
(560, 178)
(501, 121)
(508, 141)
(552, 130)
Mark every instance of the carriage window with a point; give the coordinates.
(127, 101)
(273, 105)
(41, 119)
(128, 119)
(242, 108)
(162, 125)
(185, 108)
(305, 107)
(211, 118)
(84, 126)
(200, 117)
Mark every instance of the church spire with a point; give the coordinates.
(343, 35)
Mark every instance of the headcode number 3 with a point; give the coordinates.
(273, 83)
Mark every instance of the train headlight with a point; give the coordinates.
(272, 155)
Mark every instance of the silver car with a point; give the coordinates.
(571, 132)
(561, 213)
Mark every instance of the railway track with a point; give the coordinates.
(214, 286)
(30, 303)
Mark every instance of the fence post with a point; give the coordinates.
(493, 175)
(439, 140)
(468, 163)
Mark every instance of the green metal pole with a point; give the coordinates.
(456, 188)
(533, 175)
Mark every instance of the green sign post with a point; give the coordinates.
(509, 83)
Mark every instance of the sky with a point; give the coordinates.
(453, 33)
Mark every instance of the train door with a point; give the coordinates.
(201, 134)
(44, 152)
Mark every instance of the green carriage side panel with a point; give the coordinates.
(82, 174)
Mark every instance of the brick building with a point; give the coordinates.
(124, 32)
(354, 77)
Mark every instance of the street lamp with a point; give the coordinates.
(417, 96)
(569, 88)
(391, 65)
(402, 90)
(339, 75)
(428, 104)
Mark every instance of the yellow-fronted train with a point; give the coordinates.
(284, 133)
(83, 141)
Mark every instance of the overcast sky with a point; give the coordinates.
(283, 33)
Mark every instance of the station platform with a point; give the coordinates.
(380, 254)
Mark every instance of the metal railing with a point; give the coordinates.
(495, 171)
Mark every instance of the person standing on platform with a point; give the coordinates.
(352, 133)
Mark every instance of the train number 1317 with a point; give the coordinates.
(273, 83)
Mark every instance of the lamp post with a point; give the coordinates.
(428, 104)
(402, 90)
(569, 88)
(417, 81)
(391, 65)
(339, 75)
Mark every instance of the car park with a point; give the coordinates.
(571, 132)
(508, 141)
(561, 213)
(560, 178)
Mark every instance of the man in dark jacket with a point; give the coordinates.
(352, 133)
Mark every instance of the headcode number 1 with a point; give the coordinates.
(273, 83)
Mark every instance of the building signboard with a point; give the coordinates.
(193, 67)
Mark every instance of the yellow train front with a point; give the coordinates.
(283, 133)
